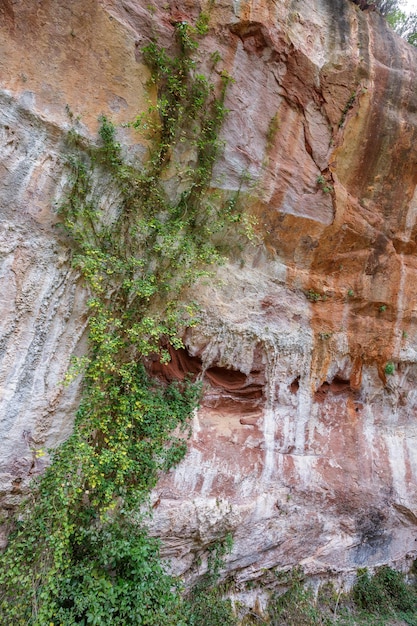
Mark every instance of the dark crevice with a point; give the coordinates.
(295, 385)
(336, 387)
(225, 387)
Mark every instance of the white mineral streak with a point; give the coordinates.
(42, 308)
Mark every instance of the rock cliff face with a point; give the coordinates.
(304, 446)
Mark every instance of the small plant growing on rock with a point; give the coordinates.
(389, 368)
(323, 184)
(348, 106)
(312, 295)
(273, 128)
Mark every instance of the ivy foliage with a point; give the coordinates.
(78, 551)
(385, 593)
(205, 603)
(381, 599)
(296, 606)
(402, 21)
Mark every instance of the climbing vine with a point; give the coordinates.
(78, 550)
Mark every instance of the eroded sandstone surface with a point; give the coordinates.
(304, 446)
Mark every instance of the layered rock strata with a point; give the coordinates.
(304, 446)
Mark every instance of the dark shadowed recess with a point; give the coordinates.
(226, 386)
(336, 387)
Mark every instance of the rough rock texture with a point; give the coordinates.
(304, 447)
